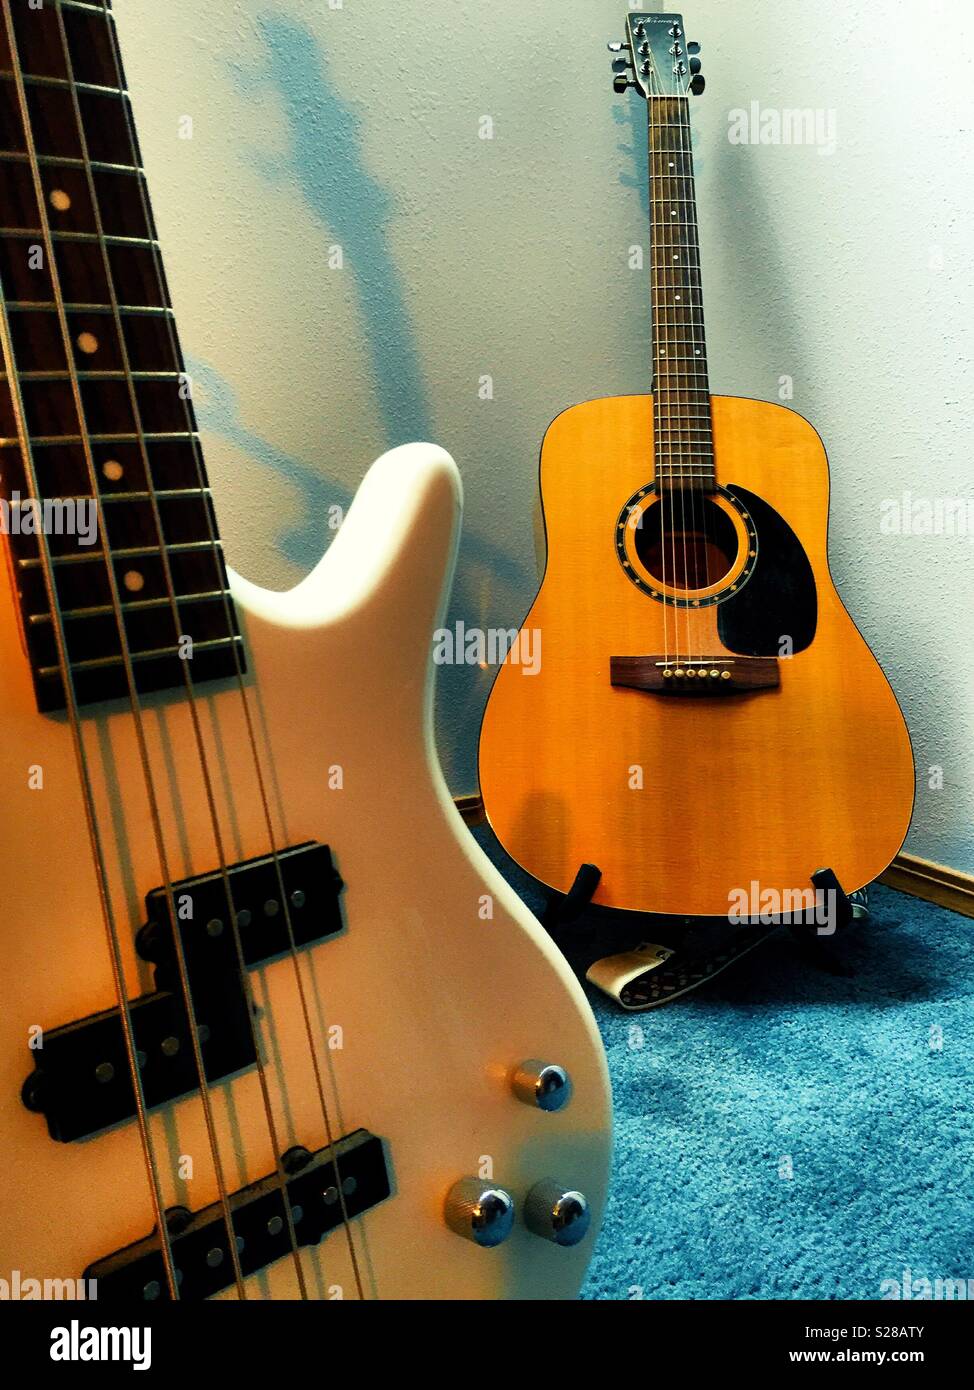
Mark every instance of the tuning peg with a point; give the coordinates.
(618, 47)
(695, 65)
(693, 48)
(621, 82)
(697, 84)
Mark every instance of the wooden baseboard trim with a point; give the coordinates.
(935, 883)
(921, 878)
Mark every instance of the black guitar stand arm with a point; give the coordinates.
(564, 909)
(811, 929)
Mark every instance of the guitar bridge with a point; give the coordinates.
(699, 675)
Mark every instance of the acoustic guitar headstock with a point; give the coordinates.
(656, 58)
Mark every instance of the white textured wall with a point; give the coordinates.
(850, 273)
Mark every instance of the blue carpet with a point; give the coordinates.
(786, 1133)
(777, 1069)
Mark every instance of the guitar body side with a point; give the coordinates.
(684, 801)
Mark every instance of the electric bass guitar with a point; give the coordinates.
(272, 1026)
(707, 728)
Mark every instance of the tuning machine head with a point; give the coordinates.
(621, 67)
(697, 80)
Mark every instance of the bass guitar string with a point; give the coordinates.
(194, 716)
(71, 701)
(274, 852)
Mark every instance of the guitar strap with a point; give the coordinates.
(652, 974)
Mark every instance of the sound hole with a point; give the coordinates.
(686, 541)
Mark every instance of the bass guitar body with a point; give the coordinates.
(707, 721)
(412, 1019)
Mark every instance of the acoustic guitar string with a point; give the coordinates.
(707, 443)
(666, 419)
(679, 319)
(690, 319)
(659, 354)
(71, 701)
(158, 832)
(273, 852)
(687, 465)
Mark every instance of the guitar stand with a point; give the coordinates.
(564, 909)
(647, 976)
(808, 933)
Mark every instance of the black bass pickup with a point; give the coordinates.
(81, 1081)
(200, 1247)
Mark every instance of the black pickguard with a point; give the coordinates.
(780, 598)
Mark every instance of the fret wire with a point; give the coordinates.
(52, 441)
(101, 662)
(112, 239)
(96, 376)
(38, 80)
(99, 166)
(28, 306)
(105, 610)
(167, 492)
(85, 5)
(134, 552)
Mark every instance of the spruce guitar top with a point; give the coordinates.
(706, 714)
(272, 1025)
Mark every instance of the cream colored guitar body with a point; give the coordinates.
(440, 985)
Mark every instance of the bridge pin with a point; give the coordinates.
(691, 674)
(667, 674)
(679, 673)
(714, 675)
(725, 675)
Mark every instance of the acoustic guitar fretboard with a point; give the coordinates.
(682, 418)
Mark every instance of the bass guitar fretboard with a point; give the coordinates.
(96, 408)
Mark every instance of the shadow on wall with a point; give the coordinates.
(631, 112)
(325, 162)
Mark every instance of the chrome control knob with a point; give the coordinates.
(543, 1084)
(557, 1213)
(479, 1211)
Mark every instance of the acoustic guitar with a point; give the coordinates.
(272, 1026)
(707, 721)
